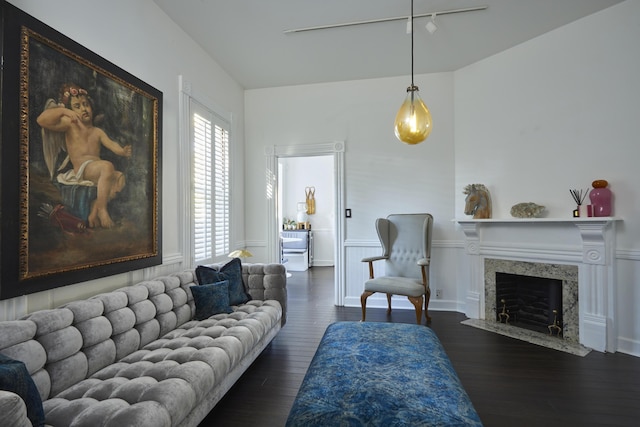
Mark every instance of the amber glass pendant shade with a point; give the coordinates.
(413, 121)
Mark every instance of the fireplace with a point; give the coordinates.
(565, 286)
(556, 248)
(533, 303)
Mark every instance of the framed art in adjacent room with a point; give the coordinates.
(80, 162)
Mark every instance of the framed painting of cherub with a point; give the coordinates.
(80, 155)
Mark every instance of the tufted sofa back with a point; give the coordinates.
(65, 345)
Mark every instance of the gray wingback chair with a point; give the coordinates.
(406, 251)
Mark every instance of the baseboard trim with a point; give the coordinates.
(629, 346)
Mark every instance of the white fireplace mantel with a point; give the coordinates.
(596, 233)
(524, 239)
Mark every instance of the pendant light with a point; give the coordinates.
(413, 121)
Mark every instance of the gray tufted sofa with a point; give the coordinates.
(136, 357)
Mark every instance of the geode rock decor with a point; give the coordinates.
(527, 210)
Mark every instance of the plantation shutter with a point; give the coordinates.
(221, 189)
(210, 139)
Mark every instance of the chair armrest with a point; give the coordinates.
(370, 261)
(374, 258)
(424, 269)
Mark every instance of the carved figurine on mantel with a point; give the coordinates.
(478, 201)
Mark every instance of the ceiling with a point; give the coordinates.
(247, 38)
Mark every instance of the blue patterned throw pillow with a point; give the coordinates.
(211, 299)
(231, 271)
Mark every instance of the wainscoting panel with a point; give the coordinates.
(628, 295)
(15, 308)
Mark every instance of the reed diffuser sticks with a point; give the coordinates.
(578, 196)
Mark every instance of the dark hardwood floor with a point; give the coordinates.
(510, 382)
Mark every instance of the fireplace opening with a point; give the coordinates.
(533, 303)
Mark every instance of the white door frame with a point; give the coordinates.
(335, 149)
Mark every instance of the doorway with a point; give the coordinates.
(306, 205)
(274, 224)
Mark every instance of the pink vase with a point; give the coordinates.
(601, 198)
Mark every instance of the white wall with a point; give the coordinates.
(139, 38)
(382, 175)
(557, 113)
(552, 114)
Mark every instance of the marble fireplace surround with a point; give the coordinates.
(548, 247)
(567, 273)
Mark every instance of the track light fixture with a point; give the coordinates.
(431, 24)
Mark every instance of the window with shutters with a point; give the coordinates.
(210, 184)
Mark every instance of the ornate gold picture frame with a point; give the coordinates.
(80, 157)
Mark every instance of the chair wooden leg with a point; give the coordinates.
(426, 305)
(417, 303)
(389, 303)
(363, 303)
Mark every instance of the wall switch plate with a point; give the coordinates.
(347, 213)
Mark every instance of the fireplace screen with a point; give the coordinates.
(533, 303)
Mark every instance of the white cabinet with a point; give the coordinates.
(296, 249)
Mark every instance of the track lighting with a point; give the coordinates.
(394, 18)
(431, 25)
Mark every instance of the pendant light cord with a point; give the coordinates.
(412, 85)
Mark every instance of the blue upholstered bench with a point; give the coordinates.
(381, 374)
